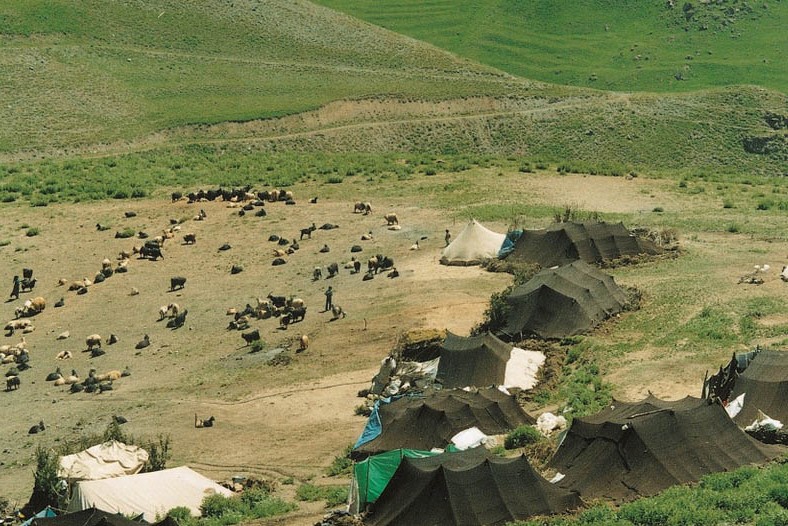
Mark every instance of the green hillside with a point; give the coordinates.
(89, 71)
(605, 44)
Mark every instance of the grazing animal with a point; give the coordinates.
(308, 231)
(189, 239)
(328, 226)
(337, 312)
(317, 273)
(303, 343)
(278, 253)
(208, 422)
(177, 282)
(176, 196)
(356, 266)
(250, 337)
(333, 270)
(151, 252)
(178, 320)
(38, 428)
(391, 219)
(12, 382)
(73, 378)
(94, 340)
(278, 301)
(144, 342)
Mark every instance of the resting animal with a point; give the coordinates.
(338, 311)
(208, 422)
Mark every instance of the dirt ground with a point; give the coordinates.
(276, 421)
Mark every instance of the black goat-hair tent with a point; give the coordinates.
(591, 242)
(765, 382)
(430, 421)
(475, 361)
(630, 450)
(470, 488)
(561, 302)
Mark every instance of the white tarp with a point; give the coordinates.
(152, 494)
(107, 460)
(474, 244)
(468, 438)
(522, 368)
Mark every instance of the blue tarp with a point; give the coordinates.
(46, 512)
(374, 427)
(508, 244)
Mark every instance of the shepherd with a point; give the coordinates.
(329, 298)
(15, 289)
(447, 237)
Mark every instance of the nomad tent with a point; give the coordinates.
(484, 360)
(430, 421)
(634, 450)
(563, 243)
(473, 245)
(764, 384)
(561, 302)
(470, 488)
(107, 460)
(150, 494)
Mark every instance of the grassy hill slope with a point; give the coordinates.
(81, 72)
(605, 44)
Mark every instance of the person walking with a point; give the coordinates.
(447, 237)
(329, 298)
(15, 289)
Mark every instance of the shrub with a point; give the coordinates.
(727, 203)
(658, 209)
(430, 171)
(181, 514)
(46, 482)
(5, 242)
(257, 346)
(682, 184)
(126, 233)
(521, 436)
(341, 464)
(333, 495)
(334, 179)
(138, 192)
(216, 505)
(158, 453)
(32, 232)
(120, 194)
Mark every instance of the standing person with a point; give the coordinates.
(447, 237)
(329, 298)
(15, 290)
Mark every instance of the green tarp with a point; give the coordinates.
(373, 474)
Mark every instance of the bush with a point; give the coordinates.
(658, 209)
(32, 232)
(46, 482)
(217, 505)
(158, 453)
(126, 233)
(733, 228)
(341, 464)
(333, 495)
(182, 515)
(5, 242)
(522, 436)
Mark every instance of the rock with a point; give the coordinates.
(63, 335)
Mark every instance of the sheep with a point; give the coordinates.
(338, 311)
(208, 422)
(250, 337)
(73, 378)
(16, 325)
(174, 309)
(54, 375)
(784, 273)
(12, 382)
(94, 340)
(99, 278)
(295, 303)
(356, 266)
(144, 342)
(178, 320)
(367, 237)
(177, 282)
(64, 355)
(289, 196)
(313, 201)
(106, 263)
(391, 219)
(38, 428)
(134, 291)
(278, 253)
(308, 231)
(303, 343)
(366, 208)
(190, 238)
(61, 282)
(110, 375)
(415, 246)
(163, 310)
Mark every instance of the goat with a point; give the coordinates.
(38, 428)
(391, 219)
(308, 231)
(189, 239)
(178, 320)
(208, 422)
(333, 269)
(94, 340)
(12, 382)
(250, 337)
(143, 343)
(278, 301)
(177, 282)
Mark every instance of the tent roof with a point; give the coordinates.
(151, 494)
(372, 474)
(474, 244)
(765, 382)
(591, 242)
(86, 517)
(562, 302)
(472, 361)
(639, 449)
(110, 459)
(469, 487)
(429, 421)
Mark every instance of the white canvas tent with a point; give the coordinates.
(152, 494)
(107, 460)
(474, 244)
